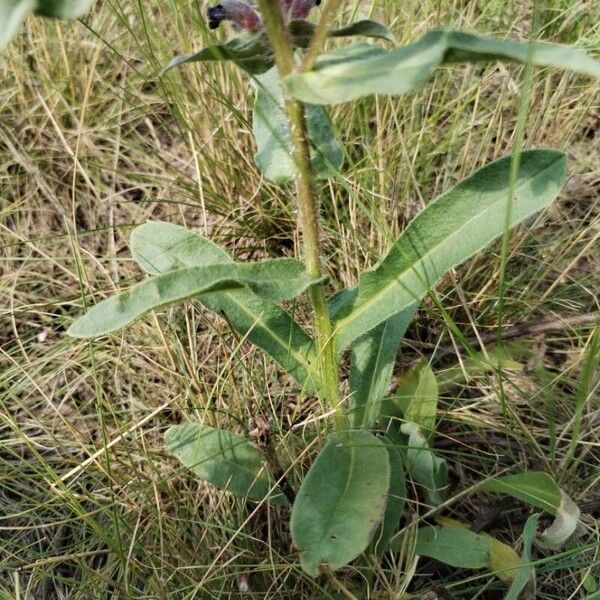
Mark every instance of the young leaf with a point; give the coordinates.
(458, 224)
(526, 571)
(373, 357)
(13, 13)
(250, 51)
(341, 501)
(361, 69)
(456, 547)
(395, 501)
(274, 148)
(302, 31)
(423, 465)
(160, 247)
(277, 279)
(222, 458)
(416, 397)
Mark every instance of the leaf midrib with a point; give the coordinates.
(397, 279)
(258, 319)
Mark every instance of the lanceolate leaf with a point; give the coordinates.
(341, 501)
(504, 561)
(277, 279)
(162, 247)
(457, 225)
(361, 69)
(302, 31)
(249, 51)
(454, 546)
(13, 12)
(222, 458)
(534, 487)
(274, 149)
(373, 357)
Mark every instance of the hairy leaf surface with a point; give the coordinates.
(277, 279)
(225, 459)
(341, 501)
(274, 148)
(361, 69)
(372, 363)
(454, 227)
(160, 247)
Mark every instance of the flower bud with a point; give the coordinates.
(239, 13)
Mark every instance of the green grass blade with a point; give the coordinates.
(457, 225)
(361, 69)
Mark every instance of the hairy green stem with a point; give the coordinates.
(308, 210)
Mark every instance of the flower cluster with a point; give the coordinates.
(245, 16)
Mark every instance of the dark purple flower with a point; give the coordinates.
(244, 16)
(239, 13)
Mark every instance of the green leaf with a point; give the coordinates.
(62, 9)
(277, 279)
(160, 247)
(533, 487)
(427, 469)
(222, 458)
(540, 490)
(361, 69)
(341, 501)
(504, 561)
(415, 398)
(302, 31)
(456, 547)
(525, 573)
(395, 501)
(372, 363)
(13, 13)
(274, 154)
(250, 51)
(457, 225)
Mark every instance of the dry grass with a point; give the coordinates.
(93, 143)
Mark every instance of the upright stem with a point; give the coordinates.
(308, 209)
(320, 35)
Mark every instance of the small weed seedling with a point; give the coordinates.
(351, 501)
